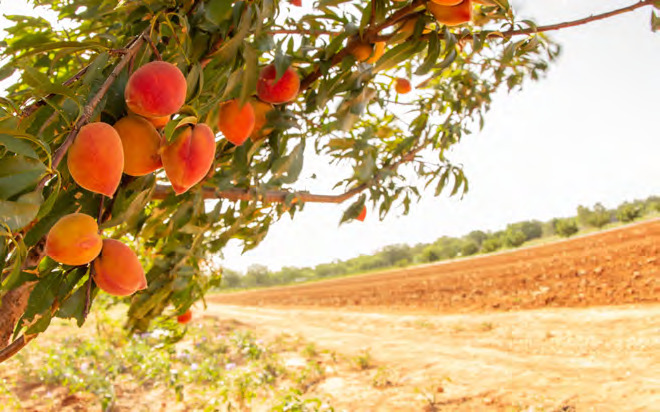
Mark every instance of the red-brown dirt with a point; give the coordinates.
(619, 266)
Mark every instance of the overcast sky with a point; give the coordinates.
(586, 133)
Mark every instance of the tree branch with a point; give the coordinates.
(546, 28)
(14, 347)
(88, 110)
(279, 196)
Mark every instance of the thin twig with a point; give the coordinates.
(88, 291)
(152, 46)
(14, 347)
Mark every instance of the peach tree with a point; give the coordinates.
(252, 88)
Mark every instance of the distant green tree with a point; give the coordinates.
(477, 236)
(257, 275)
(469, 248)
(598, 217)
(231, 278)
(513, 236)
(627, 212)
(565, 227)
(491, 244)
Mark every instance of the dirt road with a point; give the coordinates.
(536, 327)
(593, 359)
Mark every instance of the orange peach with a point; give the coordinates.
(96, 158)
(451, 15)
(363, 214)
(141, 143)
(159, 122)
(281, 91)
(156, 89)
(117, 270)
(236, 122)
(446, 2)
(189, 157)
(74, 240)
(402, 86)
(185, 317)
(379, 50)
(261, 111)
(359, 49)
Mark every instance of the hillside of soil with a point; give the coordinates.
(619, 266)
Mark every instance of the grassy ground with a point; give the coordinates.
(209, 365)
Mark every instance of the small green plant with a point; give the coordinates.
(487, 326)
(384, 377)
(310, 351)
(362, 361)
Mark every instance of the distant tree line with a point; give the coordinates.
(477, 241)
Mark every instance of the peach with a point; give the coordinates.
(189, 157)
(359, 49)
(402, 86)
(261, 111)
(74, 240)
(185, 317)
(451, 15)
(117, 270)
(446, 2)
(379, 50)
(281, 91)
(156, 89)
(363, 214)
(96, 158)
(236, 122)
(159, 122)
(141, 143)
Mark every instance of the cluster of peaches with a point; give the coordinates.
(101, 153)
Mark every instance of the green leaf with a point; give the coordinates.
(95, 70)
(249, 75)
(18, 174)
(18, 146)
(216, 11)
(18, 214)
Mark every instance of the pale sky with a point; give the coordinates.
(586, 133)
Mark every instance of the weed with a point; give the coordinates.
(362, 361)
(384, 377)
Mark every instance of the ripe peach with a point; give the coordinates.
(451, 15)
(141, 143)
(261, 111)
(96, 158)
(159, 122)
(276, 92)
(189, 157)
(446, 2)
(117, 270)
(379, 50)
(359, 49)
(156, 89)
(402, 86)
(184, 318)
(74, 240)
(236, 122)
(363, 214)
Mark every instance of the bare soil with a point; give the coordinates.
(562, 359)
(620, 266)
(532, 328)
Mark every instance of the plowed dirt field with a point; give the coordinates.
(619, 266)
